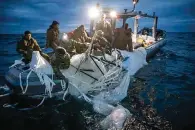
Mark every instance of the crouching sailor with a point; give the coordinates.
(102, 43)
(104, 26)
(60, 60)
(72, 46)
(27, 45)
(80, 35)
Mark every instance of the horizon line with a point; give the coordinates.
(65, 32)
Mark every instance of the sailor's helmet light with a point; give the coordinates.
(64, 36)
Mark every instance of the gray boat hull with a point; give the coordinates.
(153, 49)
(34, 85)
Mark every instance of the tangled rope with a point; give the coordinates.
(7, 90)
(43, 77)
(23, 109)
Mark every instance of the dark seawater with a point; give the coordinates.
(166, 84)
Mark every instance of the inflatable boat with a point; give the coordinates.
(35, 86)
(18, 77)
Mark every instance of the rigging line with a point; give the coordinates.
(85, 73)
(97, 65)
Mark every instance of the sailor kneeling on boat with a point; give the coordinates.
(102, 43)
(123, 39)
(60, 60)
(104, 26)
(80, 35)
(27, 45)
(73, 47)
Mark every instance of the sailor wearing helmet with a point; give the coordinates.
(60, 60)
(104, 26)
(72, 46)
(52, 40)
(101, 42)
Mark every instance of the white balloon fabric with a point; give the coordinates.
(106, 84)
(134, 60)
(79, 71)
(116, 119)
(42, 68)
(40, 64)
(109, 89)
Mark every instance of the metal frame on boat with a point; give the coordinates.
(113, 16)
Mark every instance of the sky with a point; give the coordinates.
(16, 16)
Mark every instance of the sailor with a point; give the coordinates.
(145, 31)
(105, 26)
(128, 38)
(72, 46)
(159, 34)
(53, 35)
(123, 39)
(60, 60)
(27, 45)
(80, 35)
(78, 41)
(101, 42)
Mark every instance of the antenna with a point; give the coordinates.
(134, 3)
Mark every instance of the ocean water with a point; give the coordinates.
(166, 85)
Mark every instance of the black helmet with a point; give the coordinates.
(27, 32)
(60, 51)
(55, 22)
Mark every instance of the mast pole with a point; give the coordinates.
(91, 27)
(135, 28)
(154, 26)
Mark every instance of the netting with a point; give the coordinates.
(5, 91)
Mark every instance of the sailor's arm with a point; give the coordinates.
(20, 49)
(77, 45)
(36, 46)
(88, 39)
